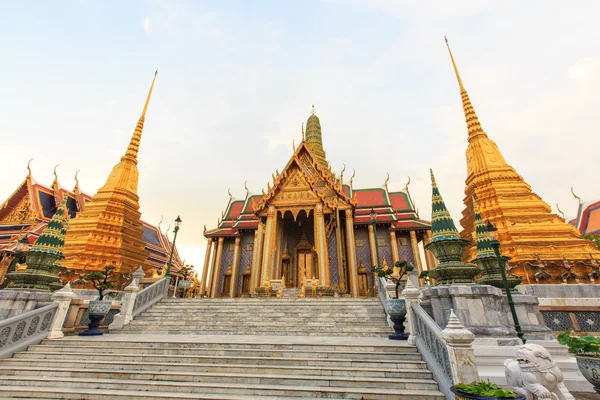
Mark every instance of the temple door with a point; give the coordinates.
(305, 264)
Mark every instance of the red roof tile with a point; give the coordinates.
(370, 197)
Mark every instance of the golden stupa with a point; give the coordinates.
(108, 231)
(529, 233)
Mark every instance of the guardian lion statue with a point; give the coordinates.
(534, 374)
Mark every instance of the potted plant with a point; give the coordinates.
(98, 309)
(483, 390)
(187, 272)
(586, 350)
(396, 308)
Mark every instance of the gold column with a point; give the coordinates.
(351, 247)
(236, 268)
(211, 273)
(277, 254)
(206, 266)
(339, 251)
(372, 244)
(269, 245)
(429, 258)
(414, 244)
(256, 257)
(216, 268)
(321, 245)
(394, 243)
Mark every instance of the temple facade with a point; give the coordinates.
(538, 242)
(311, 229)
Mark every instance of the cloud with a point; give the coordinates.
(147, 25)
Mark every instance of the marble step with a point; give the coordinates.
(408, 369)
(244, 343)
(328, 362)
(286, 316)
(221, 377)
(256, 352)
(244, 389)
(258, 333)
(231, 323)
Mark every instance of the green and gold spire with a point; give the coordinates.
(52, 239)
(482, 237)
(314, 139)
(442, 225)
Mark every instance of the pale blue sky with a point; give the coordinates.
(237, 79)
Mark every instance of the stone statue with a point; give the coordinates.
(535, 375)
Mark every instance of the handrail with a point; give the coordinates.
(20, 331)
(383, 294)
(433, 348)
(146, 297)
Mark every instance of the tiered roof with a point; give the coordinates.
(29, 209)
(396, 208)
(588, 217)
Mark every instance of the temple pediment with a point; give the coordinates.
(302, 184)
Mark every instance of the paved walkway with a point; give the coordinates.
(586, 396)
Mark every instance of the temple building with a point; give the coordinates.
(534, 238)
(311, 229)
(104, 229)
(588, 217)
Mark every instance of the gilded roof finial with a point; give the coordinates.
(342, 173)
(574, 195)
(230, 195)
(54, 172)
(313, 109)
(352, 177)
(473, 126)
(246, 187)
(433, 184)
(77, 180)
(160, 222)
(560, 212)
(29, 168)
(407, 183)
(134, 144)
(303, 131)
(294, 145)
(386, 180)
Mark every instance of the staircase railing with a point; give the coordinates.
(433, 348)
(148, 296)
(18, 332)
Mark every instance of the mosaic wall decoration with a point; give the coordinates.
(589, 321)
(333, 259)
(363, 254)
(385, 249)
(404, 249)
(557, 320)
(245, 256)
(226, 260)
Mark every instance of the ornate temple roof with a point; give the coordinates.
(442, 225)
(588, 217)
(31, 206)
(482, 237)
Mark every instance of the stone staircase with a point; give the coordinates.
(178, 349)
(265, 316)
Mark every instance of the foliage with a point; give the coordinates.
(593, 238)
(425, 276)
(485, 388)
(100, 280)
(402, 267)
(581, 345)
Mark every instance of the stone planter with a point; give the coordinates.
(97, 310)
(396, 309)
(590, 369)
(463, 396)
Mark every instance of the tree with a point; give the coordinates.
(187, 272)
(594, 238)
(401, 267)
(100, 280)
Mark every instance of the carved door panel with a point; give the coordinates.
(305, 265)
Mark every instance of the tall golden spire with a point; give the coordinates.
(473, 124)
(526, 226)
(134, 144)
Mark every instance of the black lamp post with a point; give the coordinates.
(20, 248)
(495, 243)
(374, 223)
(177, 223)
